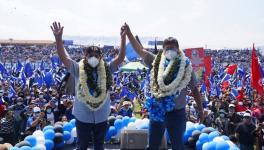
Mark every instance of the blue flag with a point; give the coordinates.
(28, 70)
(48, 78)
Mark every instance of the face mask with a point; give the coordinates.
(93, 61)
(40, 96)
(170, 54)
(240, 103)
(19, 103)
(28, 97)
(1, 92)
(49, 111)
(222, 115)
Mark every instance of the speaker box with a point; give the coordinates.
(137, 139)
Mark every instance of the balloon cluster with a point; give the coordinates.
(51, 137)
(206, 138)
(119, 123)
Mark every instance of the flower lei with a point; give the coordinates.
(159, 79)
(164, 86)
(84, 95)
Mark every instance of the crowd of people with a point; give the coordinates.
(26, 107)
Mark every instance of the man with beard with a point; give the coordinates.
(171, 73)
(92, 82)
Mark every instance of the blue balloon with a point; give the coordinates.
(49, 134)
(213, 134)
(200, 127)
(112, 131)
(190, 130)
(222, 145)
(210, 146)
(144, 126)
(14, 148)
(199, 145)
(47, 128)
(126, 121)
(73, 121)
(67, 127)
(35, 148)
(118, 124)
(212, 129)
(32, 140)
(132, 119)
(25, 148)
(49, 144)
(203, 138)
(226, 138)
(185, 137)
(66, 135)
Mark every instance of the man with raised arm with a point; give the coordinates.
(92, 82)
(171, 73)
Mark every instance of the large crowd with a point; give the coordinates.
(28, 103)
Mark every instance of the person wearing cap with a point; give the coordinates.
(245, 132)
(170, 73)
(37, 121)
(233, 119)
(7, 129)
(91, 83)
(124, 108)
(20, 120)
(221, 122)
(50, 115)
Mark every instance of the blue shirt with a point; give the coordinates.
(123, 112)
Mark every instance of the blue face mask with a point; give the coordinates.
(48, 111)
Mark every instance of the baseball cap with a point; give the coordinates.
(246, 115)
(231, 105)
(36, 109)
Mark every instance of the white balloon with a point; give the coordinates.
(196, 125)
(138, 123)
(70, 141)
(230, 143)
(145, 121)
(38, 133)
(40, 140)
(41, 146)
(74, 132)
(131, 126)
(218, 139)
(189, 124)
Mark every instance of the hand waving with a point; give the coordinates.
(57, 30)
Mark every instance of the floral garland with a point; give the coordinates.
(164, 86)
(158, 76)
(84, 95)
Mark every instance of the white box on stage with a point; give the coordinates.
(137, 139)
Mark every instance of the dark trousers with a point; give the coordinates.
(175, 122)
(90, 131)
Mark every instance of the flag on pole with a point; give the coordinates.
(231, 69)
(256, 73)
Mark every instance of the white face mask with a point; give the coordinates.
(240, 103)
(1, 92)
(93, 61)
(170, 54)
(19, 103)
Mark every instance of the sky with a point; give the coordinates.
(195, 23)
